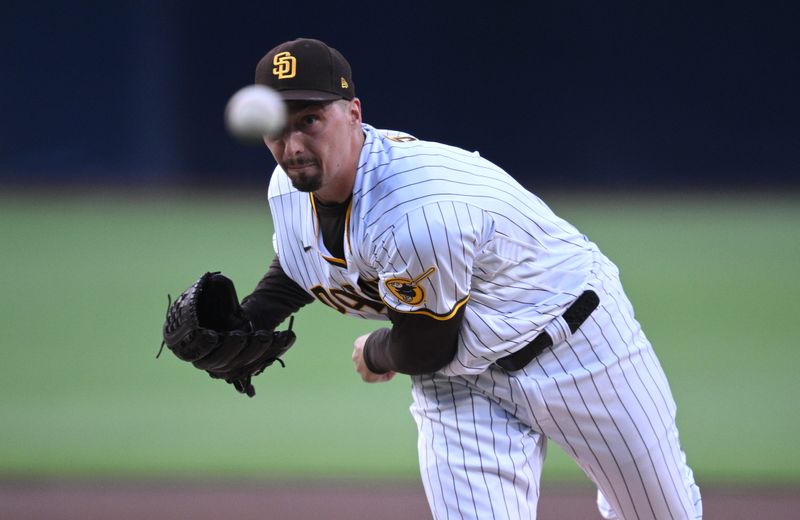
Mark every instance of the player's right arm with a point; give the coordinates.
(425, 269)
(415, 344)
(274, 299)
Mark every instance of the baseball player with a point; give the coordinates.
(512, 325)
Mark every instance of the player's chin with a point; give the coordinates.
(304, 180)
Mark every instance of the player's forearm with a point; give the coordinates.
(274, 299)
(414, 345)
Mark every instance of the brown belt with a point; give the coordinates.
(575, 315)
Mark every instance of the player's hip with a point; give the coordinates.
(597, 333)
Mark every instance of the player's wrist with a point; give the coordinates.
(376, 343)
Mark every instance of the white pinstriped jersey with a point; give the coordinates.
(432, 228)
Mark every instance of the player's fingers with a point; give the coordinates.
(370, 377)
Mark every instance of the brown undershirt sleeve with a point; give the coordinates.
(274, 299)
(416, 344)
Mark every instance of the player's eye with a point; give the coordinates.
(309, 119)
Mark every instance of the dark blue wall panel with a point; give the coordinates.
(561, 93)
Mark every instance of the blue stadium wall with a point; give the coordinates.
(574, 94)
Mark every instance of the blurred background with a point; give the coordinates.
(578, 94)
(667, 133)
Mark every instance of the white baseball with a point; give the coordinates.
(255, 111)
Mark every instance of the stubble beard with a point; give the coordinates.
(305, 182)
(305, 174)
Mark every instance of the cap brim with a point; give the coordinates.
(308, 95)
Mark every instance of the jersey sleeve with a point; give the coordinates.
(425, 259)
(274, 299)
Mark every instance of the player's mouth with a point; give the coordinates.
(298, 166)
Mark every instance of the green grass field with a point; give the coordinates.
(84, 290)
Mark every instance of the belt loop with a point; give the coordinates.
(558, 330)
(555, 332)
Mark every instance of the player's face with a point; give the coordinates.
(317, 147)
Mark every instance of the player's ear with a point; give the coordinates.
(354, 110)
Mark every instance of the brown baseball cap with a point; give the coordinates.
(308, 70)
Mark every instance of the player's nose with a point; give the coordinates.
(292, 143)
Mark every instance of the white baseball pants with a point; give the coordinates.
(600, 394)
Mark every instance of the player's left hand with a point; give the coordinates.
(207, 327)
(361, 367)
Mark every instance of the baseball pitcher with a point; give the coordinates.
(512, 325)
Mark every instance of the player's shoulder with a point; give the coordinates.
(395, 158)
(403, 145)
(400, 173)
(394, 136)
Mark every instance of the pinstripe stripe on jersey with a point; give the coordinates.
(493, 178)
(421, 240)
(289, 251)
